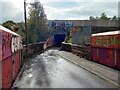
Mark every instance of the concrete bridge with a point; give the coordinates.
(45, 66)
(94, 23)
(59, 69)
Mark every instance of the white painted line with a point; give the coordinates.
(93, 72)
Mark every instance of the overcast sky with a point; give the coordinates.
(60, 9)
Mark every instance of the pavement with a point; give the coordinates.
(104, 72)
(50, 70)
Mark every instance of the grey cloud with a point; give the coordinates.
(94, 9)
(17, 18)
(10, 12)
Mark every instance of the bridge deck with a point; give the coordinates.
(50, 70)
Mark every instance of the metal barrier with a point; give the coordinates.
(106, 48)
(10, 56)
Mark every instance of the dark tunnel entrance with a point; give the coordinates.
(58, 39)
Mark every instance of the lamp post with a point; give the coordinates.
(26, 31)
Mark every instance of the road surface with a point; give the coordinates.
(48, 70)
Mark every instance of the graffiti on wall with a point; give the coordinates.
(0, 46)
(15, 44)
(6, 51)
(103, 53)
(106, 41)
(75, 29)
(10, 44)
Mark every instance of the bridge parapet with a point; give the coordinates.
(81, 51)
(95, 23)
(37, 47)
(99, 23)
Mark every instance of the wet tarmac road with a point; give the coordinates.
(48, 70)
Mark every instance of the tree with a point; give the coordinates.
(21, 31)
(97, 18)
(92, 18)
(11, 25)
(114, 17)
(37, 23)
(104, 17)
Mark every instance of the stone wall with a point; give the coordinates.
(81, 51)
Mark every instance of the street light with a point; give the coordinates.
(26, 31)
